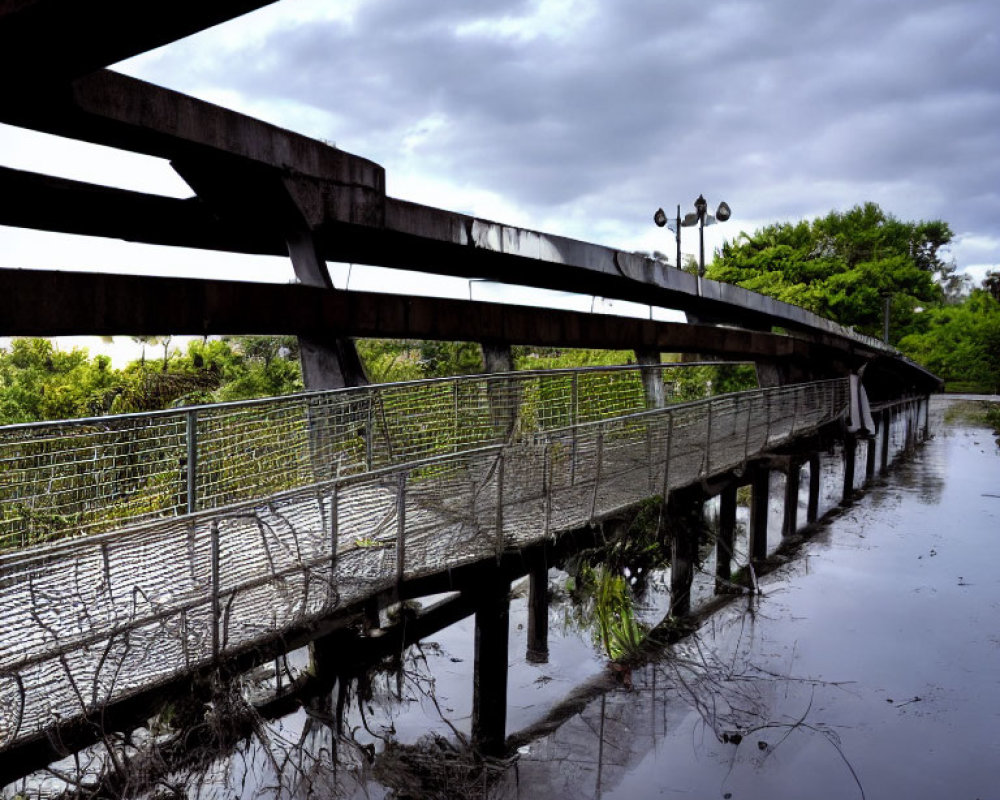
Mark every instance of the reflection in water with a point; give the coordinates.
(862, 670)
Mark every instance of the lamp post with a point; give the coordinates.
(886, 306)
(699, 217)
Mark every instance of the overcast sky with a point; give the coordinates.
(581, 117)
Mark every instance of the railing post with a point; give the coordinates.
(333, 596)
(666, 457)
(455, 426)
(597, 470)
(650, 469)
(795, 410)
(767, 408)
(369, 427)
(192, 461)
(574, 421)
(216, 603)
(499, 518)
(706, 464)
(547, 481)
(401, 526)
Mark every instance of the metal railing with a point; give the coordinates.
(89, 475)
(93, 619)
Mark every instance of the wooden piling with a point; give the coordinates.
(790, 519)
(538, 612)
(886, 439)
(489, 683)
(850, 453)
(725, 539)
(761, 490)
(870, 444)
(812, 508)
(684, 511)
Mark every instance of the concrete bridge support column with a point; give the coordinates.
(489, 689)
(726, 538)
(908, 411)
(886, 431)
(684, 514)
(812, 507)
(927, 417)
(538, 612)
(652, 379)
(501, 393)
(790, 520)
(871, 443)
(850, 457)
(760, 495)
(328, 362)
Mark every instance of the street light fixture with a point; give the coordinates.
(699, 217)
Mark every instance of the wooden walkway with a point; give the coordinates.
(93, 619)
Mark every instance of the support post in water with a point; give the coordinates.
(850, 451)
(538, 611)
(684, 510)
(489, 689)
(726, 538)
(812, 509)
(790, 519)
(761, 492)
(886, 436)
(870, 443)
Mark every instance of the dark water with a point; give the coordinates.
(869, 667)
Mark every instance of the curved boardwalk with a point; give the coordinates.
(92, 619)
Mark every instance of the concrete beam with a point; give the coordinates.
(343, 201)
(51, 303)
(118, 111)
(42, 202)
(48, 41)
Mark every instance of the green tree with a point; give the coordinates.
(39, 381)
(991, 284)
(961, 343)
(840, 265)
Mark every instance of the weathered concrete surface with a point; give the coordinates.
(49, 303)
(44, 41)
(39, 302)
(342, 198)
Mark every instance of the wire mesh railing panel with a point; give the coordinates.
(84, 476)
(603, 395)
(268, 539)
(95, 618)
(88, 476)
(450, 515)
(248, 452)
(526, 485)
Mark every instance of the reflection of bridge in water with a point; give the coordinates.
(212, 531)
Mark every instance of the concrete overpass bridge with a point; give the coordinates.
(264, 190)
(197, 534)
